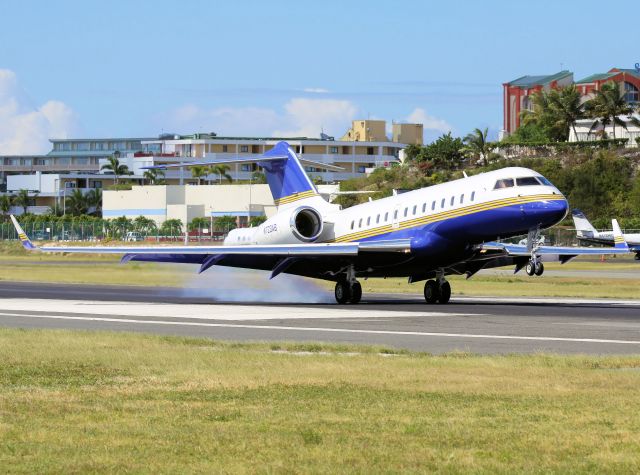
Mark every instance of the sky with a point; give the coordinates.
(285, 68)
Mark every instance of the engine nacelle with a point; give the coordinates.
(303, 224)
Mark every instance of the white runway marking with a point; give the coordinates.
(208, 311)
(330, 330)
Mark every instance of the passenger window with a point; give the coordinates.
(352, 224)
(395, 214)
(433, 206)
(504, 183)
(527, 181)
(424, 207)
(453, 199)
(442, 203)
(406, 211)
(386, 216)
(377, 219)
(473, 195)
(360, 223)
(369, 221)
(415, 208)
(462, 198)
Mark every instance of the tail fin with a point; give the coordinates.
(583, 227)
(24, 239)
(286, 177)
(618, 237)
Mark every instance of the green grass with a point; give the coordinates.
(103, 402)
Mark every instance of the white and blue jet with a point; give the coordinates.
(424, 235)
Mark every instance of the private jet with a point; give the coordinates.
(586, 233)
(423, 235)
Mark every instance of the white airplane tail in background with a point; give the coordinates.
(583, 227)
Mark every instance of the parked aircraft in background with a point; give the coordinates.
(588, 234)
(424, 235)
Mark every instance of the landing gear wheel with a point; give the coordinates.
(539, 268)
(445, 293)
(356, 293)
(342, 292)
(431, 291)
(637, 257)
(530, 269)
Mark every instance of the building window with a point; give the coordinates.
(225, 148)
(244, 149)
(631, 93)
(333, 149)
(245, 168)
(362, 169)
(370, 151)
(69, 184)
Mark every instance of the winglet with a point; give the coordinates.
(618, 237)
(24, 239)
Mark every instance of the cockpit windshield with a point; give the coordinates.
(544, 181)
(527, 181)
(503, 183)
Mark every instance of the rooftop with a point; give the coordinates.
(539, 80)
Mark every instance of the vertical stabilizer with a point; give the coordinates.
(618, 237)
(584, 228)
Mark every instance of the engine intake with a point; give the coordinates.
(306, 224)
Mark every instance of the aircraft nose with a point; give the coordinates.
(548, 212)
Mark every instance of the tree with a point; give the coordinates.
(221, 171)
(76, 203)
(154, 176)
(257, 220)
(477, 145)
(198, 223)
(445, 152)
(198, 171)
(5, 205)
(94, 200)
(258, 177)
(24, 200)
(170, 226)
(225, 223)
(144, 225)
(608, 104)
(116, 168)
(121, 225)
(566, 104)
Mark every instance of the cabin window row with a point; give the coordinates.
(414, 211)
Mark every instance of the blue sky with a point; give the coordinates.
(137, 68)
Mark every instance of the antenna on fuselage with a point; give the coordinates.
(465, 174)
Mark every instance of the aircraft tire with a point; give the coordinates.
(431, 291)
(539, 270)
(637, 256)
(530, 268)
(445, 293)
(342, 292)
(356, 293)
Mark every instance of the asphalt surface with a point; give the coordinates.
(479, 325)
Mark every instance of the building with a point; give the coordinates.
(584, 131)
(517, 94)
(76, 163)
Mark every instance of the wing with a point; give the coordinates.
(326, 257)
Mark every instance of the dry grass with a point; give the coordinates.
(98, 402)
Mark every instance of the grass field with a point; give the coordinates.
(18, 265)
(102, 402)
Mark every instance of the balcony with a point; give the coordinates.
(50, 168)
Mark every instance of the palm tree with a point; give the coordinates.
(567, 107)
(24, 200)
(221, 171)
(477, 145)
(144, 225)
(154, 176)
(606, 107)
(5, 205)
(199, 171)
(94, 200)
(76, 203)
(116, 168)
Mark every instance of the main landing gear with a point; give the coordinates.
(437, 290)
(348, 292)
(534, 267)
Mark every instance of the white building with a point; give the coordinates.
(585, 133)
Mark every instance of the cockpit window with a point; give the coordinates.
(504, 183)
(544, 181)
(527, 181)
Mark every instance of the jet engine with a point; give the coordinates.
(303, 224)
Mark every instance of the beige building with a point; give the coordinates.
(411, 134)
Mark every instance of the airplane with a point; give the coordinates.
(586, 233)
(424, 235)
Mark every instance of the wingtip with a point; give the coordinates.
(24, 239)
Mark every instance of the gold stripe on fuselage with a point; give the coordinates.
(454, 213)
(295, 197)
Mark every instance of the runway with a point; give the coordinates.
(478, 325)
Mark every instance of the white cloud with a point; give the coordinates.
(299, 117)
(420, 116)
(316, 90)
(25, 129)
